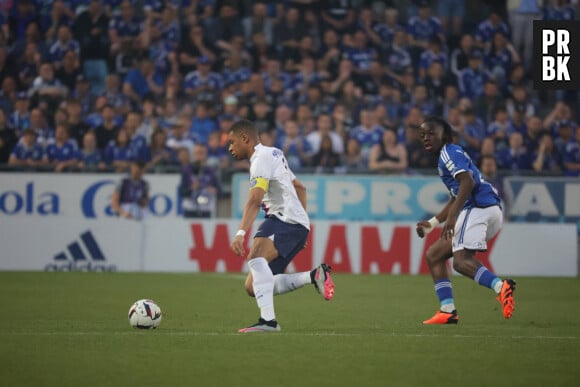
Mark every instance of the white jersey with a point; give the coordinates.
(269, 170)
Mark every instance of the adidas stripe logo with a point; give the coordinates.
(86, 255)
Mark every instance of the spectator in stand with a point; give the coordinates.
(324, 129)
(531, 138)
(564, 136)
(471, 133)
(387, 155)
(62, 45)
(421, 100)
(306, 76)
(107, 131)
(560, 112)
(516, 156)
(131, 196)
(520, 101)
(330, 54)
(367, 133)
(226, 27)
(488, 168)
(159, 154)
(571, 156)
(432, 54)
(450, 100)
(124, 30)
(203, 84)
(193, 46)
(338, 15)
(138, 142)
(259, 52)
(360, 55)
(387, 29)
(288, 35)
(62, 153)
(112, 92)
(459, 59)
(179, 136)
(294, 145)
(69, 71)
(485, 105)
(500, 129)
(486, 29)
(518, 119)
(143, 81)
(559, 10)
(44, 134)
(202, 124)
(8, 138)
(199, 184)
(473, 78)
(19, 119)
(352, 157)
(546, 160)
(118, 153)
(500, 58)
(487, 147)
(217, 154)
(90, 30)
(259, 21)
(27, 152)
(326, 160)
(28, 65)
(90, 157)
(261, 116)
(421, 28)
(46, 86)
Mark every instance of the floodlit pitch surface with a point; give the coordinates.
(71, 329)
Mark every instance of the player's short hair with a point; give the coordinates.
(244, 126)
(447, 129)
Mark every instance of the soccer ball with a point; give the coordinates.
(145, 314)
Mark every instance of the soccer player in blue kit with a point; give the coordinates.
(283, 233)
(472, 216)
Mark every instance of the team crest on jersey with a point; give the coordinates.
(276, 153)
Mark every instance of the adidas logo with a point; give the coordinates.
(78, 251)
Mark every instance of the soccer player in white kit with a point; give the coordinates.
(275, 189)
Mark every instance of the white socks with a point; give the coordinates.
(284, 283)
(263, 287)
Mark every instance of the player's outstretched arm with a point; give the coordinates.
(424, 227)
(300, 191)
(466, 185)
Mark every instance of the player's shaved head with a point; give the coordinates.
(245, 127)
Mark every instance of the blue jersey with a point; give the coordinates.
(486, 30)
(566, 12)
(423, 30)
(91, 159)
(132, 27)
(114, 152)
(360, 58)
(58, 49)
(66, 152)
(22, 152)
(453, 160)
(194, 79)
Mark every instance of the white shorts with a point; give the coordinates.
(475, 226)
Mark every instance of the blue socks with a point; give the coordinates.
(445, 295)
(486, 278)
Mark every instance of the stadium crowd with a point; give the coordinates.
(339, 85)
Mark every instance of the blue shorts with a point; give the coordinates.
(288, 239)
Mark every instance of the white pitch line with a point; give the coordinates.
(294, 334)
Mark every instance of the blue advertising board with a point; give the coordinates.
(361, 197)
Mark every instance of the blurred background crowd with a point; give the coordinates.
(340, 85)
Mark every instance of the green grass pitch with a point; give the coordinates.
(71, 329)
